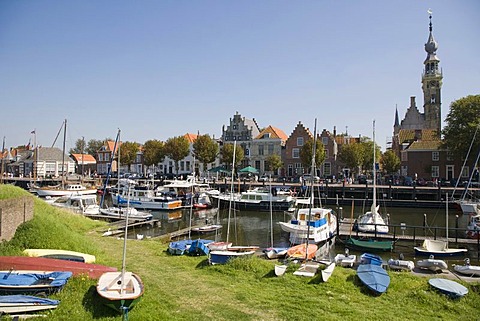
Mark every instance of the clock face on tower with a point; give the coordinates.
(433, 83)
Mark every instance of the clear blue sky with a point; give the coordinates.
(159, 69)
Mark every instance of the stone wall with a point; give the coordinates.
(14, 212)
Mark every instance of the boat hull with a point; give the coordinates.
(93, 271)
(370, 245)
(61, 254)
(451, 288)
(374, 277)
(222, 257)
(117, 296)
(32, 281)
(25, 303)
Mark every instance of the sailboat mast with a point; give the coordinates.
(124, 258)
(312, 195)
(231, 189)
(63, 153)
(374, 203)
(446, 219)
(191, 201)
(271, 211)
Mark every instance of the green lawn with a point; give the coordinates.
(187, 288)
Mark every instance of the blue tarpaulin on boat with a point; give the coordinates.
(27, 299)
(374, 277)
(25, 279)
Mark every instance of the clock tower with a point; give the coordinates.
(432, 85)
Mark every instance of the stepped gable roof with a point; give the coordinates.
(425, 145)
(408, 135)
(85, 158)
(274, 133)
(191, 137)
(109, 145)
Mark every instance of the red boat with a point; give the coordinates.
(93, 271)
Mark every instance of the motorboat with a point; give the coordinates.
(121, 213)
(432, 264)
(85, 204)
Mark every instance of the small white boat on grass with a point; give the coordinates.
(60, 254)
(25, 303)
(467, 269)
(327, 271)
(432, 264)
(451, 288)
(346, 259)
(280, 269)
(275, 252)
(308, 269)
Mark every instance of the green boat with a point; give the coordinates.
(371, 245)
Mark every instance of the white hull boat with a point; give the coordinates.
(121, 213)
(432, 264)
(401, 265)
(467, 269)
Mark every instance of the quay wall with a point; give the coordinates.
(14, 212)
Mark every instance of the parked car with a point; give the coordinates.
(264, 178)
(308, 178)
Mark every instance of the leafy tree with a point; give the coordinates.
(306, 154)
(351, 155)
(128, 153)
(462, 122)
(153, 152)
(390, 162)
(205, 150)
(94, 146)
(177, 148)
(80, 147)
(227, 155)
(274, 162)
(366, 149)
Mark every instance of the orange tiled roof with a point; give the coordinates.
(274, 132)
(87, 158)
(190, 137)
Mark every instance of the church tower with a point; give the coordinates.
(432, 85)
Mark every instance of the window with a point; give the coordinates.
(234, 126)
(404, 170)
(260, 150)
(100, 157)
(327, 169)
(435, 171)
(266, 135)
(270, 149)
(187, 166)
(295, 153)
(247, 151)
(404, 156)
(107, 157)
(299, 141)
(325, 141)
(449, 156)
(465, 172)
(435, 156)
(326, 153)
(182, 165)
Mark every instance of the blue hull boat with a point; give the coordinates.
(451, 288)
(368, 258)
(179, 247)
(199, 247)
(374, 277)
(32, 282)
(222, 257)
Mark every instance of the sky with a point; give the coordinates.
(160, 69)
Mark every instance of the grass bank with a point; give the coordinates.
(187, 288)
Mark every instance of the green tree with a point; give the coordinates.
(351, 155)
(153, 152)
(461, 124)
(205, 150)
(94, 146)
(128, 153)
(80, 147)
(227, 155)
(390, 162)
(306, 153)
(366, 150)
(177, 148)
(274, 162)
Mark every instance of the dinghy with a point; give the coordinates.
(451, 288)
(25, 303)
(401, 265)
(32, 282)
(61, 254)
(374, 277)
(280, 269)
(432, 264)
(301, 251)
(346, 259)
(327, 271)
(467, 269)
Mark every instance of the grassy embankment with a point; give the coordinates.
(186, 288)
